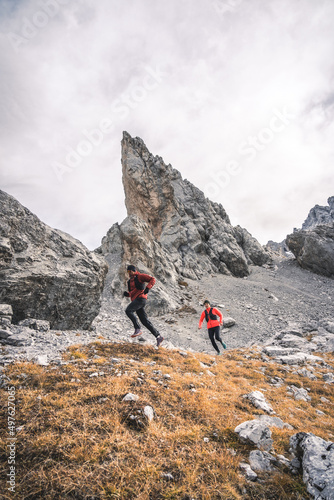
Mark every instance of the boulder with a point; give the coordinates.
(4, 334)
(293, 341)
(45, 273)
(317, 461)
(299, 393)
(228, 322)
(256, 433)
(262, 461)
(18, 339)
(276, 351)
(298, 358)
(259, 401)
(306, 373)
(247, 471)
(314, 248)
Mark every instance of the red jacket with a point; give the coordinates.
(212, 322)
(142, 278)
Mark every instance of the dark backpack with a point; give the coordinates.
(209, 314)
(138, 284)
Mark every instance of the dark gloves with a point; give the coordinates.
(126, 294)
(146, 291)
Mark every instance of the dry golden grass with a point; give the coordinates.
(77, 441)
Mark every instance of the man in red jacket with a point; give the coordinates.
(213, 324)
(137, 291)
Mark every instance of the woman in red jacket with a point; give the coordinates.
(211, 315)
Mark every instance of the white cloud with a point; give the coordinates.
(218, 80)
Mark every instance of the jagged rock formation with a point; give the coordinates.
(314, 249)
(320, 215)
(172, 230)
(195, 232)
(313, 245)
(279, 249)
(45, 273)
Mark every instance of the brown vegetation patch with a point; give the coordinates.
(77, 440)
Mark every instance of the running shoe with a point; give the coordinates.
(159, 340)
(137, 332)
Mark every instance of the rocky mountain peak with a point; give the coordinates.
(194, 231)
(313, 244)
(319, 215)
(156, 192)
(172, 230)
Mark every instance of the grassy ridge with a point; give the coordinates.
(79, 439)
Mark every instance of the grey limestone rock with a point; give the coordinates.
(148, 411)
(299, 393)
(298, 358)
(274, 422)
(247, 471)
(19, 339)
(317, 461)
(36, 324)
(319, 215)
(130, 397)
(293, 341)
(307, 373)
(328, 378)
(262, 461)
(259, 401)
(255, 432)
(275, 351)
(4, 334)
(44, 272)
(328, 325)
(314, 248)
(228, 322)
(313, 244)
(6, 310)
(6, 314)
(280, 249)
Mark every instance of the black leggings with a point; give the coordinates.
(137, 306)
(214, 333)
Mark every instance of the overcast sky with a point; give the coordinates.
(236, 94)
